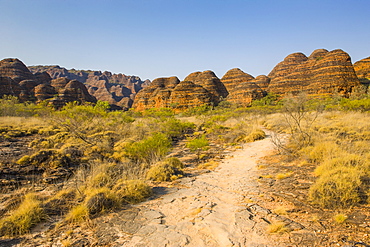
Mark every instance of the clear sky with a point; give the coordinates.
(160, 38)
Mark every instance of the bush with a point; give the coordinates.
(321, 151)
(174, 162)
(198, 144)
(148, 150)
(174, 128)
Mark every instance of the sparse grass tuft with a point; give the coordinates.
(79, 213)
(277, 227)
(281, 210)
(340, 218)
(284, 175)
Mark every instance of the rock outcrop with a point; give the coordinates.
(197, 89)
(244, 88)
(116, 89)
(246, 92)
(234, 77)
(209, 81)
(157, 94)
(15, 69)
(17, 80)
(323, 72)
(362, 69)
(189, 95)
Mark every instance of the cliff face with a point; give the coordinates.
(362, 69)
(117, 89)
(17, 80)
(323, 72)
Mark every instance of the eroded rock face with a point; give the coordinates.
(234, 77)
(209, 81)
(262, 81)
(17, 80)
(245, 93)
(9, 87)
(116, 89)
(197, 89)
(244, 88)
(157, 94)
(188, 95)
(15, 69)
(362, 69)
(323, 72)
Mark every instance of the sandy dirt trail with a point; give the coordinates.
(212, 209)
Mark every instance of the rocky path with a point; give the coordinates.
(219, 208)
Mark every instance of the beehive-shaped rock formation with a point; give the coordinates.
(17, 80)
(116, 89)
(323, 72)
(234, 77)
(362, 69)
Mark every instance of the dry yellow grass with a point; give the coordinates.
(277, 227)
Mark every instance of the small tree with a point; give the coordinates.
(299, 120)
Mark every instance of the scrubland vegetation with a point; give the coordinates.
(334, 136)
(115, 158)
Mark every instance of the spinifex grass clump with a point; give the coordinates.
(340, 151)
(255, 135)
(28, 214)
(167, 170)
(132, 191)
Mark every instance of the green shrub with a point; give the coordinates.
(148, 150)
(197, 144)
(173, 127)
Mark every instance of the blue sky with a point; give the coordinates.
(160, 38)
